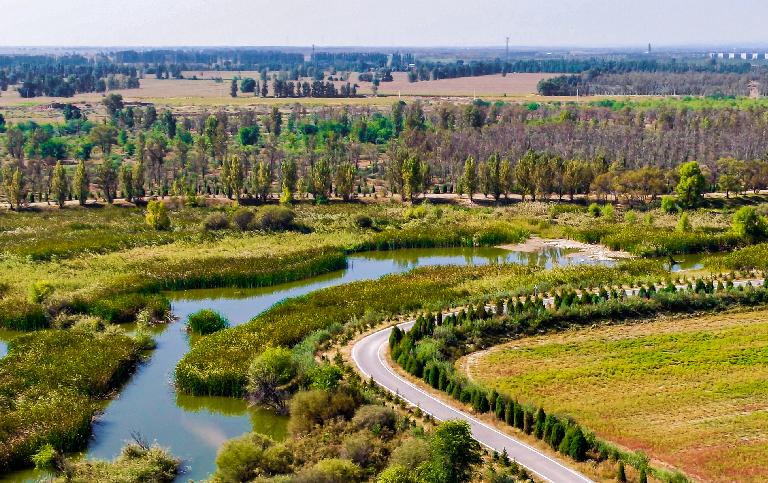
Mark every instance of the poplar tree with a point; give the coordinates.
(82, 183)
(59, 185)
(469, 177)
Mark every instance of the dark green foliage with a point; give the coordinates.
(557, 435)
(519, 417)
(216, 221)
(207, 322)
(540, 420)
(431, 237)
(621, 476)
(643, 475)
(528, 422)
(509, 413)
(577, 448)
(454, 452)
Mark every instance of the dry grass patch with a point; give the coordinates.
(691, 392)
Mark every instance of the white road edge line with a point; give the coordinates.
(388, 368)
(461, 413)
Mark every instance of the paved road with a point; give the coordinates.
(369, 356)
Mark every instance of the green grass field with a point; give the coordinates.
(689, 392)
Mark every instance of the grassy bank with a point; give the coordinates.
(51, 385)
(217, 364)
(121, 279)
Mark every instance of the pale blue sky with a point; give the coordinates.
(587, 23)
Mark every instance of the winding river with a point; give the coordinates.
(194, 427)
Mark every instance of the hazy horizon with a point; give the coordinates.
(447, 24)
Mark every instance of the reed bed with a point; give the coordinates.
(51, 385)
(217, 364)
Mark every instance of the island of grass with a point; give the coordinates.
(690, 392)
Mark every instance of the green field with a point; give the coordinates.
(689, 392)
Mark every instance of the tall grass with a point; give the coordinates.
(52, 384)
(754, 257)
(651, 242)
(18, 314)
(430, 236)
(217, 364)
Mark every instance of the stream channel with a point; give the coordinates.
(194, 427)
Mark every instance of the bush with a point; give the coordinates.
(369, 417)
(630, 217)
(608, 212)
(362, 221)
(206, 322)
(668, 204)
(239, 459)
(243, 218)
(331, 471)
(157, 216)
(40, 291)
(684, 225)
(317, 406)
(748, 225)
(276, 218)
(216, 221)
(594, 210)
(410, 454)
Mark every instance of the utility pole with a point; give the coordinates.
(312, 60)
(506, 59)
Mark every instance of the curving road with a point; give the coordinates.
(369, 354)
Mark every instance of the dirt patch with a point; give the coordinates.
(585, 250)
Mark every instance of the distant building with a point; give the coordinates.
(744, 56)
(754, 56)
(731, 55)
(720, 55)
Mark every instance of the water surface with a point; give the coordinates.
(194, 427)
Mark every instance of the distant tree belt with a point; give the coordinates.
(714, 83)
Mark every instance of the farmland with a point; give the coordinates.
(690, 392)
(204, 91)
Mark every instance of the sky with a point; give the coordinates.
(381, 23)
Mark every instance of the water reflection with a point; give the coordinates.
(194, 427)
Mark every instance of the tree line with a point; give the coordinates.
(537, 151)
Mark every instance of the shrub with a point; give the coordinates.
(668, 204)
(317, 406)
(240, 458)
(134, 464)
(630, 217)
(276, 218)
(748, 225)
(684, 225)
(40, 291)
(398, 474)
(594, 210)
(371, 416)
(362, 221)
(608, 212)
(410, 454)
(331, 471)
(157, 216)
(206, 322)
(216, 221)
(243, 218)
